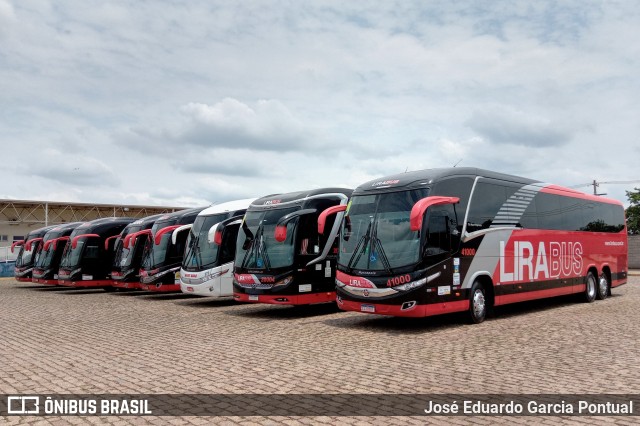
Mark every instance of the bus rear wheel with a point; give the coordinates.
(477, 303)
(591, 290)
(603, 287)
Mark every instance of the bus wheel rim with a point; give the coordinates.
(591, 286)
(478, 304)
(603, 285)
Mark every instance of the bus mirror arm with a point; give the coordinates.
(158, 237)
(215, 232)
(174, 236)
(17, 243)
(322, 219)
(420, 208)
(131, 238)
(74, 242)
(106, 242)
(30, 242)
(280, 234)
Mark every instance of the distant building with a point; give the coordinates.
(19, 217)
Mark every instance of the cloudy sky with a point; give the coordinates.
(193, 102)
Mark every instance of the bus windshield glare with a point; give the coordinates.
(376, 232)
(257, 247)
(200, 253)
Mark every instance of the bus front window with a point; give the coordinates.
(376, 232)
(200, 253)
(257, 247)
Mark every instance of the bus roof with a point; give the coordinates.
(62, 230)
(144, 222)
(39, 233)
(103, 225)
(227, 207)
(420, 178)
(275, 199)
(181, 216)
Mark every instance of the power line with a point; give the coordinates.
(596, 184)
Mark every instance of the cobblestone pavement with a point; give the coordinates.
(56, 340)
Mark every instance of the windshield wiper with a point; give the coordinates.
(194, 251)
(362, 242)
(383, 256)
(250, 240)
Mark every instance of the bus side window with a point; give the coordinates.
(487, 200)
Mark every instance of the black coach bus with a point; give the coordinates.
(87, 260)
(162, 258)
(30, 248)
(125, 272)
(463, 239)
(280, 256)
(45, 270)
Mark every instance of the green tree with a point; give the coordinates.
(633, 212)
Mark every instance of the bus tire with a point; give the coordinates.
(603, 287)
(477, 303)
(591, 288)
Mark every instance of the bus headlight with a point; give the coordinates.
(285, 281)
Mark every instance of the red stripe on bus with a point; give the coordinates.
(538, 294)
(87, 283)
(125, 284)
(396, 310)
(297, 299)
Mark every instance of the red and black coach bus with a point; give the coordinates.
(162, 258)
(29, 250)
(280, 256)
(125, 271)
(464, 239)
(88, 257)
(45, 270)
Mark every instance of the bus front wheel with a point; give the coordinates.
(603, 287)
(591, 290)
(477, 303)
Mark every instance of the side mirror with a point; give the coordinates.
(420, 208)
(280, 233)
(215, 232)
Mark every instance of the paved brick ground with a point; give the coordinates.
(57, 340)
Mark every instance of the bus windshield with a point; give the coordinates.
(124, 255)
(257, 248)
(72, 256)
(156, 254)
(45, 257)
(376, 232)
(200, 253)
(24, 257)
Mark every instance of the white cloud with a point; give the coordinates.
(200, 101)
